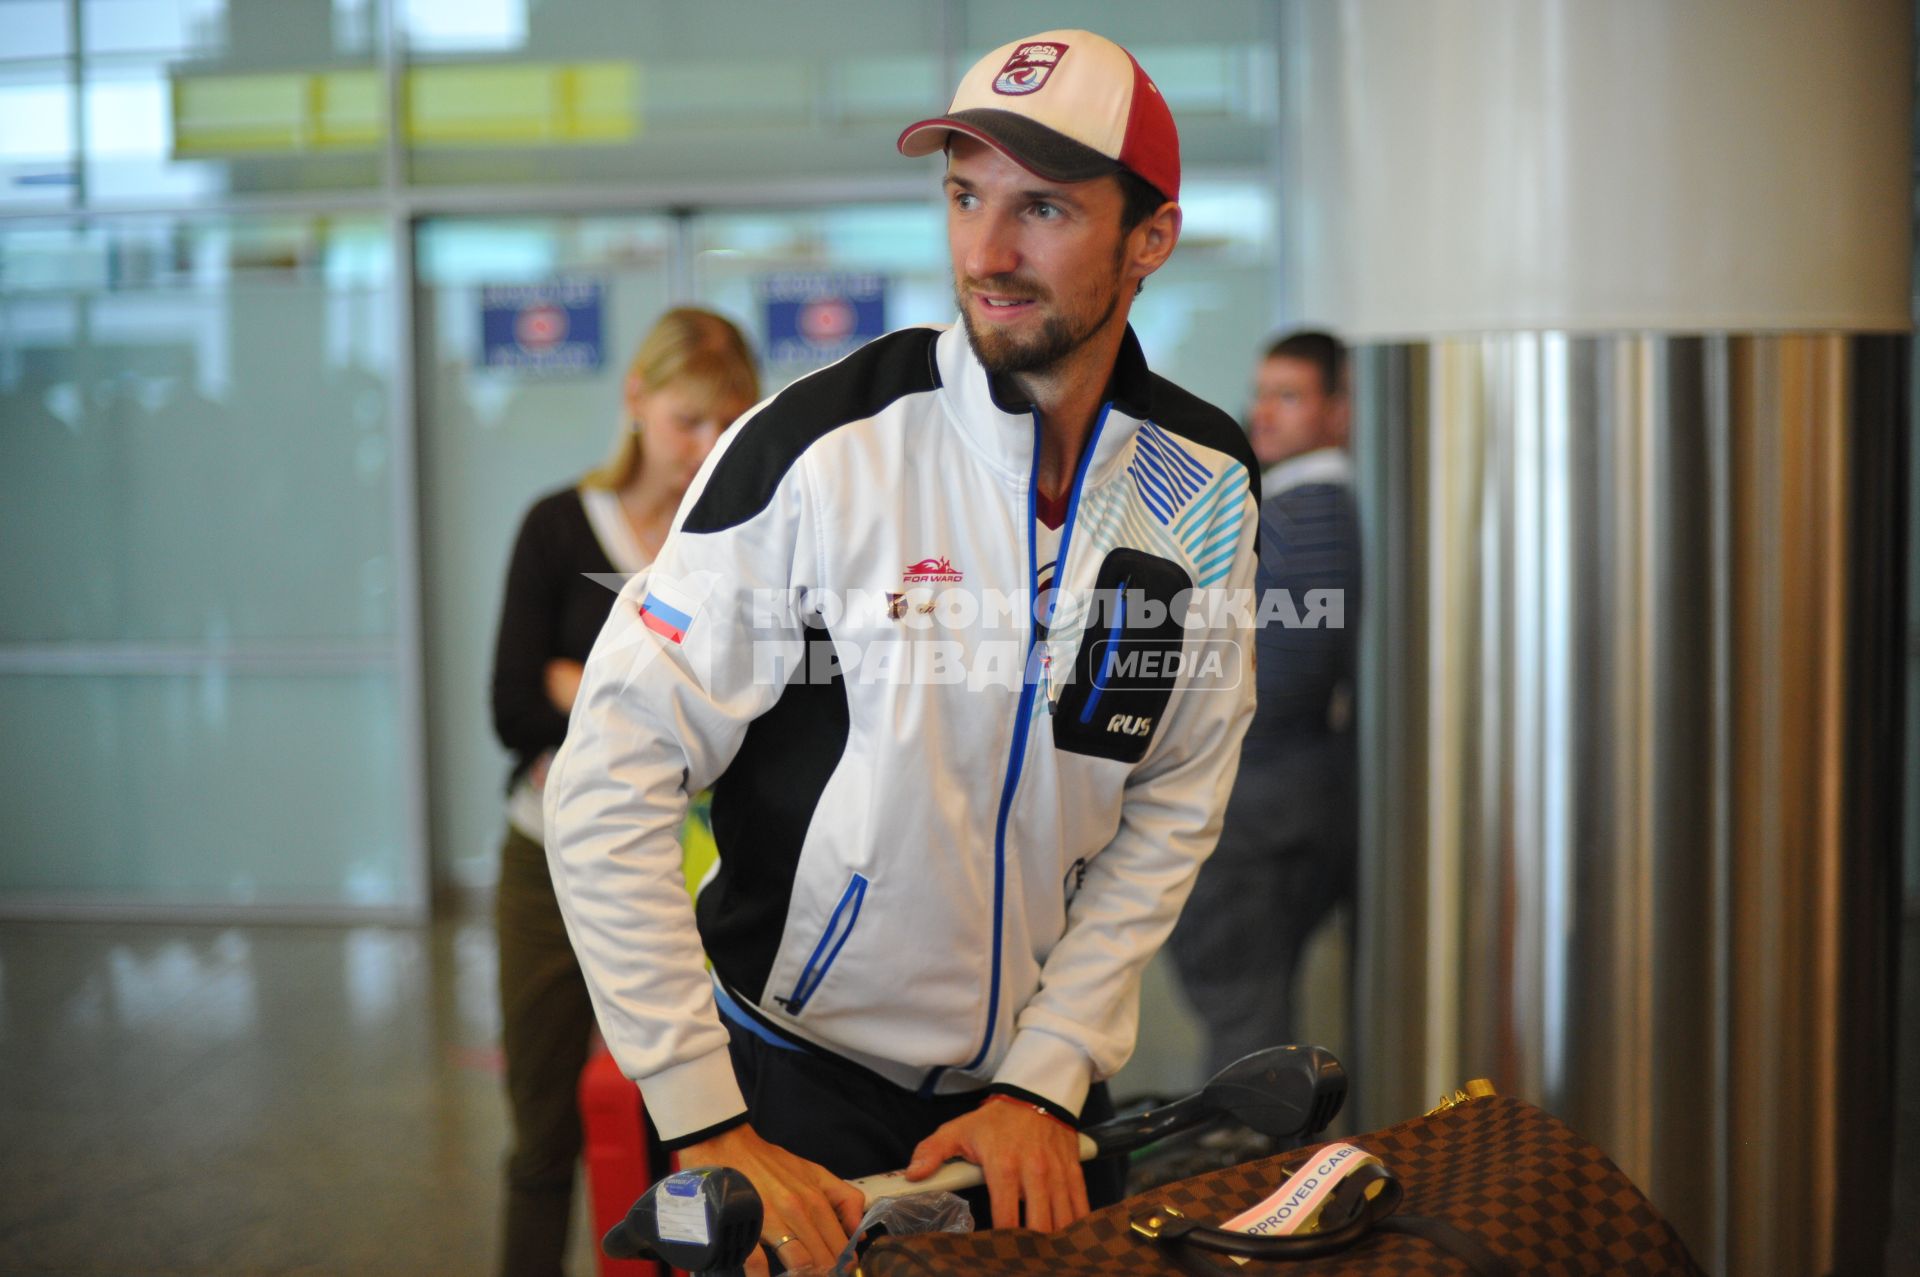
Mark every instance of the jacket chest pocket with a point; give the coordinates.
(833, 939)
(1129, 659)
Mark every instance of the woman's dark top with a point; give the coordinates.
(552, 611)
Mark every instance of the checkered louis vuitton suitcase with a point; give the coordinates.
(1498, 1181)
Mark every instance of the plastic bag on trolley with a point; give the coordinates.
(897, 1217)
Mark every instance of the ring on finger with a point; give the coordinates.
(789, 1237)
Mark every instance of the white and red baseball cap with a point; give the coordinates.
(1068, 105)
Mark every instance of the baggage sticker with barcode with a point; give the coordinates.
(1295, 1204)
(680, 1209)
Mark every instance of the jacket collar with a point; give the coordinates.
(998, 421)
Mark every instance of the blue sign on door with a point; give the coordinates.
(541, 327)
(816, 317)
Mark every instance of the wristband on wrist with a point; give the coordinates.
(1044, 1110)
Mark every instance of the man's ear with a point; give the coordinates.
(1339, 419)
(1151, 242)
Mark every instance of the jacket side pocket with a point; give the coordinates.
(834, 938)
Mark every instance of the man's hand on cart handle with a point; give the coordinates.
(809, 1212)
(1024, 1156)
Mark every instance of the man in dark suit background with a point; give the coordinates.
(1286, 855)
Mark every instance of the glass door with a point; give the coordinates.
(524, 329)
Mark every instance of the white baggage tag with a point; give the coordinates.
(680, 1211)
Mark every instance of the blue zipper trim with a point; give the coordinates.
(1113, 650)
(734, 1014)
(1073, 510)
(1018, 753)
(810, 979)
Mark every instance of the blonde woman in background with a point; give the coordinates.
(692, 375)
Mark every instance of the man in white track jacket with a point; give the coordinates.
(957, 630)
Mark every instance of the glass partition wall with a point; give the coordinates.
(262, 452)
(199, 664)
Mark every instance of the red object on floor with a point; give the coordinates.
(615, 1152)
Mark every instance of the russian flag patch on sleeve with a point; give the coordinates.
(667, 610)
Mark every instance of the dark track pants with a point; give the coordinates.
(546, 1027)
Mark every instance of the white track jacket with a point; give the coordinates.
(956, 815)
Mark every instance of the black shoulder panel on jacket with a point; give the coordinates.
(762, 806)
(1191, 417)
(865, 382)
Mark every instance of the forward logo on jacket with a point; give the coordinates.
(935, 571)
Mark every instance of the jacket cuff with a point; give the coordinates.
(692, 1101)
(1040, 1066)
(679, 1142)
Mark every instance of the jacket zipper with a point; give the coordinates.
(1017, 754)
(1112, 652)
(835, 935)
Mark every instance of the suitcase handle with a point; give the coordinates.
(1357, 1203)
(1364, 1213)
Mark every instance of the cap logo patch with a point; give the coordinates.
(1028, 68)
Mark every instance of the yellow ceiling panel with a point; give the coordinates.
(483, 104)
(508, 103)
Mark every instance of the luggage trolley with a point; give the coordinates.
(1484, 1183)
(708, 1219)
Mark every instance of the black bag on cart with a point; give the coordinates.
(1491, 1186)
